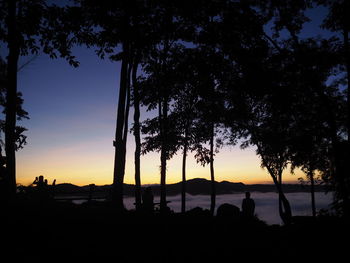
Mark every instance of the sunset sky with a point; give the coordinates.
(72, 125)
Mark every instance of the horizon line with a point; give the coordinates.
(158, 184)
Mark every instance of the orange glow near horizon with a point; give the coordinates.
(92, 162)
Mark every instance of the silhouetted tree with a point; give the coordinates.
(307, 67)
(14, 46)
(313, 61)
(137, 134)
(211, 68)
(314, 64)
(210, 112)
(171, 33)
(233, 37)
(269, 133)
(113, 33)
(147, 32)
(185, 109)
(160, 85)
(337, 21)
(273, 123)
(25, 26)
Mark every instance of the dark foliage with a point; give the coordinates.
(214, 73)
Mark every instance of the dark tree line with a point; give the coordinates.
(216, 72)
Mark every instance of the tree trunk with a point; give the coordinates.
(126, 118)
(163, 154)
(11, 96)
(285, 210)
(280, 194)
(212, 176)
(312, 190)
(118, 175)
(137, 137)
(183, 188)
(347, 64)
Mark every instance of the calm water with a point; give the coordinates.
(266, 203)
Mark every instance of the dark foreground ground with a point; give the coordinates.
(76, 233)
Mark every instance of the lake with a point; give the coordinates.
(266, 204)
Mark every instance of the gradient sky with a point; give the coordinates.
(72, 125)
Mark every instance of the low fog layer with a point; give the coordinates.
(266, 203)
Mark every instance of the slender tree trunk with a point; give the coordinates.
(285, 210)
(280, 193)
(183, 188)
(163, 155)
(347, 64)
(126, 118)
(137, 137)
(118, 175)
(163, 117)
(286, 213)
(312, 190)
(212, 175)
(11, 96)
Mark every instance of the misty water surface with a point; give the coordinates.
(266, 203)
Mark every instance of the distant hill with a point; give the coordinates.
(198, 186)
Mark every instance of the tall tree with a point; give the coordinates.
(160, 83)
(313, 62)
(185, 109)
(171, 32)
(115, 29)
(338, 22)
(137, 134)
(25, 26)
(210, 109)
(268, 130)
(12, 65)
(231, 37)
(119, 142)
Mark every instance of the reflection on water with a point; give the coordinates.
(266, 203)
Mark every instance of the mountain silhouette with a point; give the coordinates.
(197, 186)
